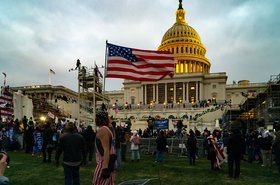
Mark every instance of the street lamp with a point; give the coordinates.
(43, 119)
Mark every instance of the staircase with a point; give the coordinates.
(212, 115)
(42, 108)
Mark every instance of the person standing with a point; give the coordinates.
(47, 144)
(135, 142)
(192, 147)
(38, 142)
(266, 151)
(276, 148)
(235, 147)
(161, 142)
(29, 139)
(105, 153)
(73, 147)
(89, 136)
(119, 140)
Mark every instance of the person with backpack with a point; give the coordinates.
(266, 148)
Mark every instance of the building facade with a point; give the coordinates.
(192, 81)
(191, 91)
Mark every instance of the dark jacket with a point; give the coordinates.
(191, 143)
(73, 147)
(161, 143)
(266, 142)
(236, 144)
(89, 136)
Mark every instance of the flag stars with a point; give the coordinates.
(122, 52)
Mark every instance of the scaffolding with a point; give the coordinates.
(89, 93)
(273, 98)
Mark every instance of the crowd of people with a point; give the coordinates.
(78, 144)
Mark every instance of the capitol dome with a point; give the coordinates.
(182, 40)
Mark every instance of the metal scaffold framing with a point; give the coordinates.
(90, 93)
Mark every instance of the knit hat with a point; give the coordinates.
(102, 118)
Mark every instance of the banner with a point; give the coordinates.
(161, 124)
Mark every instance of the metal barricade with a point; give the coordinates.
(138, 181)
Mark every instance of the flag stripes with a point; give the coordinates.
(139, 65)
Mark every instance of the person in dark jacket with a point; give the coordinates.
(235, 147)
(191, 146)
(47, 143)
(161, 142)
(89, 136)
(73, 146)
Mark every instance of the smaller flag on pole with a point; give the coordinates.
(98, 72)
(52, 71)
(51, 115)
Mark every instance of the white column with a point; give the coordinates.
(196, 91)
(165, 93)
(145, 94)
(201, 94)
(174, 93)
(184, 92)
(156, 94)
(187, 87)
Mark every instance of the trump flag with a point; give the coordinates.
(137, 64)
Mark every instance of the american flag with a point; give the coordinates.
(6, 103)
(138, 65)
(51, 115)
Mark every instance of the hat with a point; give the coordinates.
(70, 126)
(101, 113)
(101, 118)
(134, 132)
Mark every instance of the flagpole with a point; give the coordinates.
(93, 98)
(79, 98)
(5, 75)
(50, 82)
(105, 72)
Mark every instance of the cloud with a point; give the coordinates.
(241, 36)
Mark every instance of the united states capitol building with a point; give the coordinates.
(194, 95)
(200, 98)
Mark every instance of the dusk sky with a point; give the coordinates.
(241, 36)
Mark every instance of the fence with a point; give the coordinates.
(176, 146)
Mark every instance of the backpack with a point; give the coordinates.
(136, 140)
